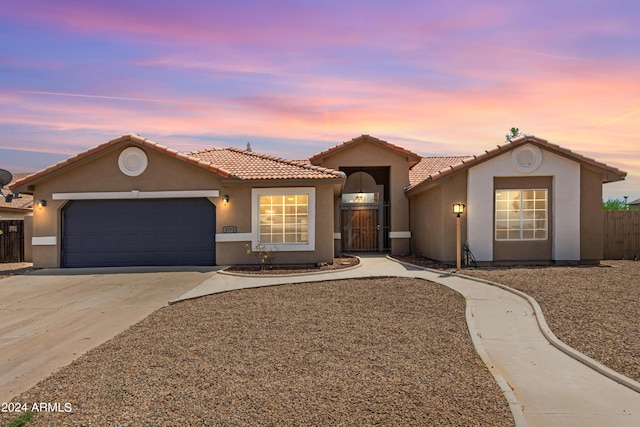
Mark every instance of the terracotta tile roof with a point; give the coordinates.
(431, 165)
(336, 148)
(612, 173)
(131, 137)
(25, 202)
(251, 165)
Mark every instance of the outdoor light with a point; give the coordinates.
(458, 209)
(42, 203)
(225, 200)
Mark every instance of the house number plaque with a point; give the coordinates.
(230, 229)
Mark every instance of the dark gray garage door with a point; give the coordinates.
(109, 233)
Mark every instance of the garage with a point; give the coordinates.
(149, 232)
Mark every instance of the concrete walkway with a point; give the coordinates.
(543, 385)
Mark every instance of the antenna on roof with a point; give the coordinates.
(248, 146)
(5, 178)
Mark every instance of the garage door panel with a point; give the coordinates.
(139, 232)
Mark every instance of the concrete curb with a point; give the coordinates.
(309, 273)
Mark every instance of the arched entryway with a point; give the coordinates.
(364, 211)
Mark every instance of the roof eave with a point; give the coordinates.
(131, 137)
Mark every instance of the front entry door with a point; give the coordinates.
(360, 230)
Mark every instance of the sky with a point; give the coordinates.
(296, 77)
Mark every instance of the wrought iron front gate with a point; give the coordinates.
(364, 227)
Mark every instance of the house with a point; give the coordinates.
(131, 201)
(15, 225)
(634, 204)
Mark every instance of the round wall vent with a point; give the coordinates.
(526, 159)
(132, 161)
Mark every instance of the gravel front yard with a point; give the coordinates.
(358, 352)
(595, 310)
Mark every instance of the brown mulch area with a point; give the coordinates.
(358, 352)
(594, 309)
(338, 263)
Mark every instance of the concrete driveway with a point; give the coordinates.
(50, 317)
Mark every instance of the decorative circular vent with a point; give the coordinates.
(526, 159)
(133, 161)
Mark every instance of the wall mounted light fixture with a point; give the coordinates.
(225, 200)
(42, 203)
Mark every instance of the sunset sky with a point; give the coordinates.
(295, 77)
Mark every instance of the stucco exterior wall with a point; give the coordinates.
(433, 223)
(235, 252)
(526, 250)
(369, 154)
(591, 216)
(566, 200)
(102, 174)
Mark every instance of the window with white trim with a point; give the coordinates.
(284, 218)
(522, 214)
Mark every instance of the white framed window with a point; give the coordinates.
(283, 219)
(522, 214)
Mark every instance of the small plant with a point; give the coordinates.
(22, 420)
(262, 254)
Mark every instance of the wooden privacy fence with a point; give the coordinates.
(12, 241)
(622, 234)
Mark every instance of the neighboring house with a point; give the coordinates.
(131, 201)
(634, 205)
(15, 225)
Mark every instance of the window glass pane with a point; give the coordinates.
(541, 234)
(527, 225)
(514, 234)
(290, 227)
(521, 214)
(290, 238)
(283, 218)
(514, 224)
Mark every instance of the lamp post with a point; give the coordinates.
(458, 209)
